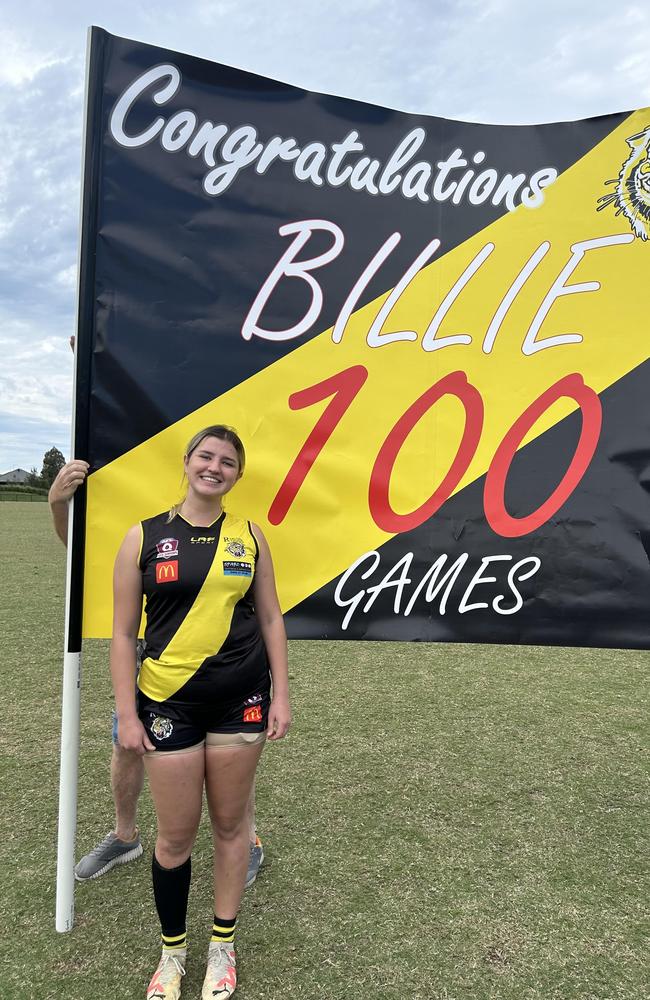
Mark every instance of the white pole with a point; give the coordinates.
(69, 769)
(71, 696)
(68, 792)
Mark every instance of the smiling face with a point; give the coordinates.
(212, 469)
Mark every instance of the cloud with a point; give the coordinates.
(35, 392)
(24, 444)
(21, 59)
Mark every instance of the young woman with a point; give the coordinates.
(204, 708)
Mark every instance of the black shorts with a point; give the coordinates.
(179, 725)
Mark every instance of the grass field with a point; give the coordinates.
(443, 823)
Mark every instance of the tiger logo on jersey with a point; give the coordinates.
(632, 194)
(236, 547)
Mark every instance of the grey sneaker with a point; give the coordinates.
(255, 859)
(106, 855)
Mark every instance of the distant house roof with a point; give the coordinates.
(15, 476)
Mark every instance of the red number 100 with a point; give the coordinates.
(345, 386)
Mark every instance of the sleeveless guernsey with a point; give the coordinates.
(203, 642)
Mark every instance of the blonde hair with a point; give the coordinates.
(224, 433)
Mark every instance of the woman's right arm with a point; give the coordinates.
(127, 610)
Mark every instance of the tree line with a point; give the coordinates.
(53, 461)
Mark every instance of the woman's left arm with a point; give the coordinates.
(271, 622)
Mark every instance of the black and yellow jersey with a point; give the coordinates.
(202, 636)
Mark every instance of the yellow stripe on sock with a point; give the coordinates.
(226, 934)
(176, 939)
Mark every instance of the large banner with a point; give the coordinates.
(431, 335)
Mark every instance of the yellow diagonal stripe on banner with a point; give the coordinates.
(329, 523)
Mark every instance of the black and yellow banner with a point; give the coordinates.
(431, 336)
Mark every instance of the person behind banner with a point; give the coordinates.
(123, 843)
(215, 640)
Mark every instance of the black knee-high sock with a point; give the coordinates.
(171, 888)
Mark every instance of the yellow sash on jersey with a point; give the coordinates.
(206, 626)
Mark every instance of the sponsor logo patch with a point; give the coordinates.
(232, 568)
(235, 547)
(161, 727)
(254, 700)
(253, 714)
(203, 539)
(167, 572)
(167, 548)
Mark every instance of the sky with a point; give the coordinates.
(508, 61)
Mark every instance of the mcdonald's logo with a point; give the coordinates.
(253, 714)
(167, 571)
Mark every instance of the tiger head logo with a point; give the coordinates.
(632, 194)
(236, 547)
(161, 727)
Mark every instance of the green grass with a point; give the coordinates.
(443, 823)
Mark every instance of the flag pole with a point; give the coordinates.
(69, 766)
(79, 448)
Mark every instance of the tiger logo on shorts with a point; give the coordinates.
(632, 194)
(161, 728)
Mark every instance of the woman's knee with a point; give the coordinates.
(173, 848)
(226, 826)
